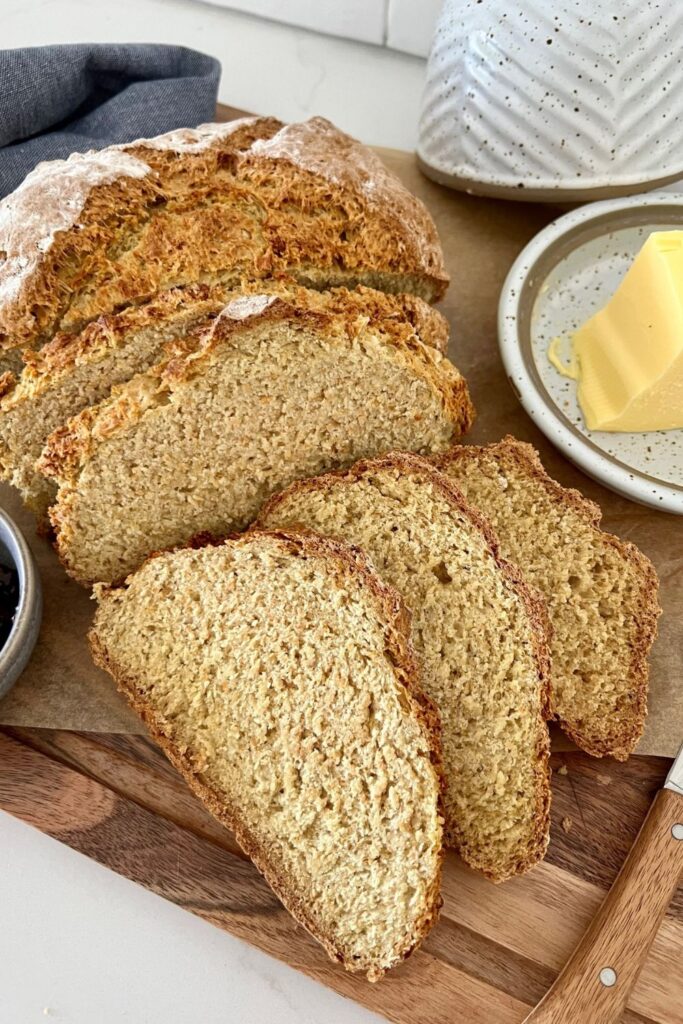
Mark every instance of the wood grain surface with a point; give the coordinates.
(493, 954)
(596, 981)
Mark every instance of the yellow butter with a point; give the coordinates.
(570, 369)
(629, 356)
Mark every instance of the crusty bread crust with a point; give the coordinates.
(65, 351)
(74, 371)
(70, 446)
(533, 601)
(525, 457)
(347, 560)
(94, 233)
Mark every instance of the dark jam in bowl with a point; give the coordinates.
(9, 595)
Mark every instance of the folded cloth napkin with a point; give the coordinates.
(55, 100)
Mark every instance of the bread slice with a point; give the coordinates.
(276, 672)
(74, 371)
(601, 591)
(478, 631)
(271, 392)
(77, 370)
(107, 229)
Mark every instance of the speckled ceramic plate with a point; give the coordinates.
(565, 274)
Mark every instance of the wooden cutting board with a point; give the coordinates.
(496, 950)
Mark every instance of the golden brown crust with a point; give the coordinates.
(7, 380)
(346, 559)
(532, 599)
(317, 148)
(525, 457)
(399, 315)
(74, 371)
(394, 312)
(259, 201)
(58, 358)
(68, 447)
(65, 350)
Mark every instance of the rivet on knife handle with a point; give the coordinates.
(595, 984)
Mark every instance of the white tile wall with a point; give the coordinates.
(406, 25)
(364, 20)
(410, 25)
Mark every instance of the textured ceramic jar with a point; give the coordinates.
(553, 99)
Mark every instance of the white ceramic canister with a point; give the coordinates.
(555, 100)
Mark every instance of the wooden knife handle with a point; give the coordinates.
(595, 983)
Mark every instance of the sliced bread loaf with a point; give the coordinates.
(77, 370)
(479, 635)
(271, 392)
(107, 229)
(601, 591)
(276, 672)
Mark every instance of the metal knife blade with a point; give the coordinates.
(674, 779)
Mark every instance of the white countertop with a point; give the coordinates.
(81, 945)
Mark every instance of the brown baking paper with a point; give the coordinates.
(61, 688)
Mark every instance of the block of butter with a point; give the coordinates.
(628, 358)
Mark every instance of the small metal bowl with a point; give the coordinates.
(22, 638)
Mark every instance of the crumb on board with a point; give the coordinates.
(567, 824)
(604, 780)
(562, 770)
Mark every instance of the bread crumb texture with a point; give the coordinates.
(276, 671)
(201, 440)
(479, 635)
(601, 591)
(108, 229)
(74, 371)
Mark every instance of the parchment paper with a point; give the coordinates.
(61, 688)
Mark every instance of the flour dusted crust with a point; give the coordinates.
(51, 199)
(252, 197)
(193, 140)
(53, 196)
(347, 560)
(321, 149)
(71, 445)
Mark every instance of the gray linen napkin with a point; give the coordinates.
(55, 100)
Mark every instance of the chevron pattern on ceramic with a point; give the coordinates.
(555, 95)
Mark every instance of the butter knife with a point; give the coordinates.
(595, 984)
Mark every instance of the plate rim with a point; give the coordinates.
(629, 483)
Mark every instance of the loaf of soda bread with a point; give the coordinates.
(253, 198)
(271, 392)
(74, 371)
